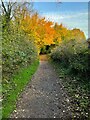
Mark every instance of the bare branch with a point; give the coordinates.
(4, 7)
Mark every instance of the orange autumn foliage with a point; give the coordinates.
(41, 29)
(46, 32)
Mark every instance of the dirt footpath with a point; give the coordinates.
(44, 96)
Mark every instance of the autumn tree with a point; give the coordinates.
(39, 28)
(78, 34)
(10, 9)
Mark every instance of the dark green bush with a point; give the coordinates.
(73, 54)
(71, 62)
(18, 51)
(45, 50)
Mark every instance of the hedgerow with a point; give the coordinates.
(72, 54)
(71, 62)
(18, 51)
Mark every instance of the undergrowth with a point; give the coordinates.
(19, 81)
(78, 89)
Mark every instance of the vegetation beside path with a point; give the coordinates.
(20, 80)
(78, 89)
(72, 64)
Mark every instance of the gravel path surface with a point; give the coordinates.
(44, 97)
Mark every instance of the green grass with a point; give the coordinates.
(77, 87)
(20, 80)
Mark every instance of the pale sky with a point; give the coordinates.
(71, 14)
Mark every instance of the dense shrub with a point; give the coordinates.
(70, 60)
(72, 54)
(45, 50)
(18, 51)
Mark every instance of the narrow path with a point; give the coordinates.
(44, 97)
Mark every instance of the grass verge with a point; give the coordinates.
(78, 88)
(20, 80)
